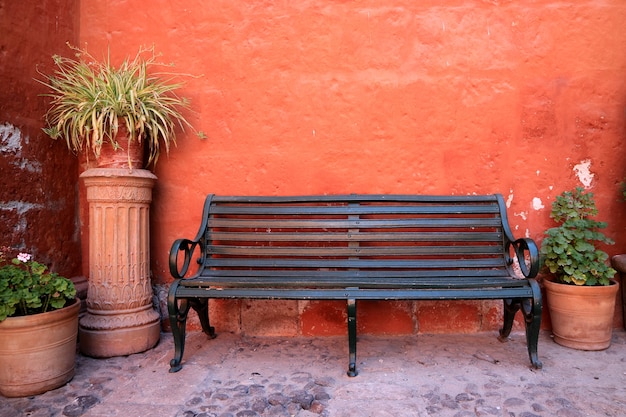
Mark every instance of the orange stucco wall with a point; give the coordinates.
(439, 97)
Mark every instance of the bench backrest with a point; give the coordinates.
(403, 235)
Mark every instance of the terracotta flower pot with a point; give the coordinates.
(38, 352)
(582, 316)
(130, 152)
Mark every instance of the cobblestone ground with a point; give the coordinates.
(426, 375)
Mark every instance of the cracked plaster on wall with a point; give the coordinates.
(30, 166)
(10, 139)
(583, 172)
(522, 214)
(21, 208)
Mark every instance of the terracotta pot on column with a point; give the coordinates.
(120, 319)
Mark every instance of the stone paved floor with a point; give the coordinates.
(426, 375)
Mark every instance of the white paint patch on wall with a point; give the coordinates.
(30, 166)
(522, 214)
(537, 204)
(509, 200)
(583, 172)
(10, 139)
(20, 207)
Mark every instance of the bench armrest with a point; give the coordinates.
(527, 254)
(188, 247)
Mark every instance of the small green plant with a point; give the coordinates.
(568, 250)
(26, 287)
(89, 99)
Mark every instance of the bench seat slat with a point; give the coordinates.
(359, 294)
(361, 236)
(364, 274)
(363, 251)
(269, 224)
(335, 282)
(378, 264)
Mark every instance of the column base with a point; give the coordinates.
(109, 341)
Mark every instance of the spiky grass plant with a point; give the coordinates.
(89, 99)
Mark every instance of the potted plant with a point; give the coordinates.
(38, 327)
(99, 108)
(581, 295)
(94, 103)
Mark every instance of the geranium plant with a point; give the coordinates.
(569, 250)
(27, 287)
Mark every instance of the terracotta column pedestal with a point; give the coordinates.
(120, 319)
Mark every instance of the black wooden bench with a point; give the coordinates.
(355, 247)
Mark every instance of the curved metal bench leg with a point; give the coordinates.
(178, 310)
(201, 306)
(532, 317)
(510, 309)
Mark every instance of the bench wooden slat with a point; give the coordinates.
(269, 224)
(343, 274)
(363, 251)
(357, 294)
(345, 282)
(361, 236)
(356, 263)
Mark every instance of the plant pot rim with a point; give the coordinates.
(48, 316)
(552, 281)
